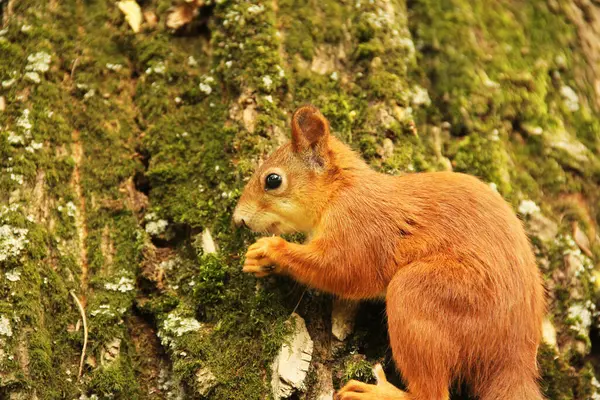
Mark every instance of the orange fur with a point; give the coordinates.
(464, 296)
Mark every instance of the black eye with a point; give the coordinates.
(273, 181)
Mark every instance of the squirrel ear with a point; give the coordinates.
(310, 130)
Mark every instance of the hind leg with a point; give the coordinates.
(434, 307)
(421, 330)
(425, 303)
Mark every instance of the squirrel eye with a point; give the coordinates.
(273, 181)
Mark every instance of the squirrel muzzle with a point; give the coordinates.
(239, 220)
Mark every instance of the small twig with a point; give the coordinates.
(8, 12)
(74, 66)
(85, 332)
(299, 301)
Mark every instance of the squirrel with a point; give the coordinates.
(464, 297)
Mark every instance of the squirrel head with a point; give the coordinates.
(288, 191)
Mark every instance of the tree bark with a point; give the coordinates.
(122, 155)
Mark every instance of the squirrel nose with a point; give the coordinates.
(239, 221)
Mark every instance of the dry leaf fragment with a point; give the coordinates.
(183, 14)
(151, 19)
(133, 13)
(180, 16)
(581, 239)
(2, 104)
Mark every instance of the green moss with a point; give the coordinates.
(41, 365)
(211, 279)
(386, 85)
(114, 380)
(557, 380)
(587, 128)
(369, 50)
(58, 107)
(304, 23)
(485, 159)
(535, 174)
(492, 64)
(358, 369)
(208, 143)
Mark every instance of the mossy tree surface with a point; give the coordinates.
(120, 153)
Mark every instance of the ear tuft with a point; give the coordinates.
(309, 128)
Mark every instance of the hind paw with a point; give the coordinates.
(383, 390)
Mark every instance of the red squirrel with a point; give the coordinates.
(464, 297)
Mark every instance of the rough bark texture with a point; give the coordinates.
(122, 156)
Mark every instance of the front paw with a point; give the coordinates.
(261, 258)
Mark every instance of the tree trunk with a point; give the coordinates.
(122, 155)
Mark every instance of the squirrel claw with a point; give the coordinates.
(256, 268)
(259, 267)
(259, 258)
(264, 271)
